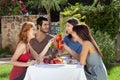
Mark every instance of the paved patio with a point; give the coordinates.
(5, 60)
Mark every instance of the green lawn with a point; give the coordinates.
(113, 72)
(4, 71)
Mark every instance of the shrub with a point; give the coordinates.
(105, 18)
(102, 17)
(4, 52)
(106, 45)
(10, 7)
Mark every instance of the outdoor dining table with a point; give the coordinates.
(55, 72)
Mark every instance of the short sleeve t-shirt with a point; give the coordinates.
(39, 46)
(76, 46)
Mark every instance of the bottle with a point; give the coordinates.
(59, 41)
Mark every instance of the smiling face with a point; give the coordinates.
(45, 27)
(27, 32)
(69, 28)
(31, 32)
(75, 36)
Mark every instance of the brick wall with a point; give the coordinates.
(10, 27)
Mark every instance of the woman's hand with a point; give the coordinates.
(51, 41)
(72, 52)
(32, 62)
(46, 48)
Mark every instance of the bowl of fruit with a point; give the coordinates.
(53, 60)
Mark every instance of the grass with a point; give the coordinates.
(113, 72)
(4, 71)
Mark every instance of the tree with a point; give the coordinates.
(49, 5)
(10, 7)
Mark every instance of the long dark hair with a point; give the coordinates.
(84, 33)
(73, 21)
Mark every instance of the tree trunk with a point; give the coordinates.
(49, 20)
(118, 47)
(0, 33)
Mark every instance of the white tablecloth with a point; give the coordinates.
(55, 72)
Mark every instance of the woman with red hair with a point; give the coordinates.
(20, 59)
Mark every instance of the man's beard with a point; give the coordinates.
(43, 31)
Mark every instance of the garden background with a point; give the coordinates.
(102, 16)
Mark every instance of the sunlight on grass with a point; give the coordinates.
(114, 73)
(4, 71)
